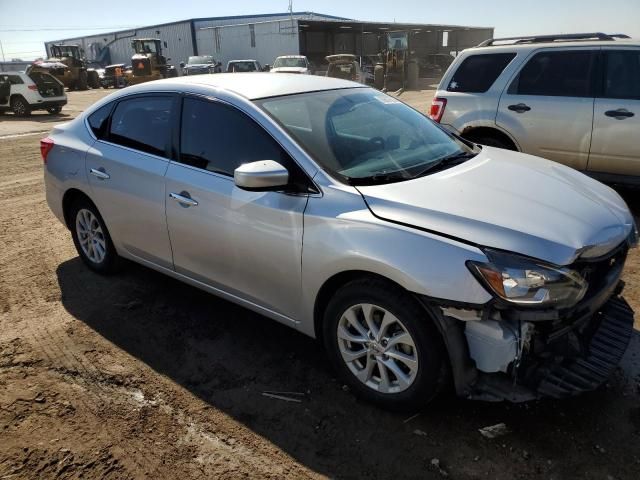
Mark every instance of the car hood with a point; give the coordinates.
(289, 70)
(510, 201)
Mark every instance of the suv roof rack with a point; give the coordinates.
(554, 38)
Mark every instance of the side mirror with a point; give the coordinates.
(181, 64)
(261, 176)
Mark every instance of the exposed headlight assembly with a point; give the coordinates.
(527, 282)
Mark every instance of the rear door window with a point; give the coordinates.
(98, 120)
(622, 74)
(557, 74)
(477, 73)
(143, 123)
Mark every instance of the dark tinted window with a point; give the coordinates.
(477, 73)
(557, 74)
(13, 79)
(98, 120)
(219, 138)
(143, 123)
(622, 75)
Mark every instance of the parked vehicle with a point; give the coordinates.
(413, 255)
(243, 66)
(114, 76)
(574, 99)
(292, 64)
(23, 93)
(148, 62)
(346, 67)
(201, 64)
(68, 65)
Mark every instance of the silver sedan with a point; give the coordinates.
(416, 257)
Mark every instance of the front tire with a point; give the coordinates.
(383, 345)
(91, 238)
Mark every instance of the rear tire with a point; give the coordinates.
(91, 238)
(82, 81)
(399, 339)
(20, 107)
(54, 110)
(93, 79)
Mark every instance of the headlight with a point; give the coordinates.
(528, 282)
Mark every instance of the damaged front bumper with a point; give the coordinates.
(500, 353)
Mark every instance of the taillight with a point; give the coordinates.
(32, 87)
(437, 108)
(46, 144)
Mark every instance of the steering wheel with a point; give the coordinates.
(378, 141)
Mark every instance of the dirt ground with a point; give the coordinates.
(140, 376)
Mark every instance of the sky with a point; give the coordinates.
(26, 24)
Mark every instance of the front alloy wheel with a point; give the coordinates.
(383, 344)
(377, 348)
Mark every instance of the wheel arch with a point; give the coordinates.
(471, 132)
(68, 199)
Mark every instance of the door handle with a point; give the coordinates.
(519, 108)
(619, 114)
(100, 173)
(184, 199)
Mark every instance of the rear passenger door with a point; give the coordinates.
(616, 121)
(126, 167)
(548, 107)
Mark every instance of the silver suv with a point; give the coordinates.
(574, 99)
(416, 257)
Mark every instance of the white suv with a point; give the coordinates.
(22, 93)
(574, 99)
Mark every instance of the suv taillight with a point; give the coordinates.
(46, 144)
(437, 108)
(32, 87)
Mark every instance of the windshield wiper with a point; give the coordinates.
(446, 162)
(379, 178)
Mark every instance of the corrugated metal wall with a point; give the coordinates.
(233, 42)
(177, 35)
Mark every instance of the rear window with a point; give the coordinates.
(13, 79)
(477, 73)
(556, 74)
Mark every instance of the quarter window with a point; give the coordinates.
(12, 79)
(98, 120)
(622, 75)
(477, 73)
(143, 123)
(557, 74)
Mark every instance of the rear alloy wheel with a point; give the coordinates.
(92, 239)
(20, 107)
(54, 110)
(383, 344)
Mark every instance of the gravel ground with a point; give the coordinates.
(139, 376)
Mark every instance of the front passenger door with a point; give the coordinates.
(247, 244)
(548, 108)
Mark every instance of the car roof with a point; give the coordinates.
(12, 72)
(558, 44)
(291, 56)
(244, 60)
(250, 85)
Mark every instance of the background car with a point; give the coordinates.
(201, 64)
(574, 99)
(346, 67)
(292, 64)
(240, 66)
(22, 93)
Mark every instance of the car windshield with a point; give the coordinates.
(241, 67)
(363, 136)
(200, 59)
(289, 62)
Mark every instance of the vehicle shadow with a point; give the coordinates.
(37, 116)
(228, 356)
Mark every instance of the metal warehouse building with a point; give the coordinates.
(264, 37)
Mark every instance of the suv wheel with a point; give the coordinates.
(383, 344)
(54, 110)
(20, 107)
(91, 238)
